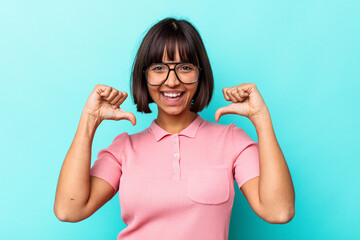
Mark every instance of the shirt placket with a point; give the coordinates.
(176, 156)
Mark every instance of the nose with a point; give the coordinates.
(172, 79)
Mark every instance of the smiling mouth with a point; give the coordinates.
(172, 96)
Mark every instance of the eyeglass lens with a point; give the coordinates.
(186, 72)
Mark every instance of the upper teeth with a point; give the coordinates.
(172, 94)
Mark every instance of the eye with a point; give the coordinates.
(157, 68)
(187, 67)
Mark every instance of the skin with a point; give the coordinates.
(173, 118)
(79, 195)
(271, 195)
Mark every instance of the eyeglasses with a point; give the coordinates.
(157, 73)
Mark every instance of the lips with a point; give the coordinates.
(172, 98)
(172, 91)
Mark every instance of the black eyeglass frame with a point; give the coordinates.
(167, 64)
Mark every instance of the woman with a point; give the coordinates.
(176, 178)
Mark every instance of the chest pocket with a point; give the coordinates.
(208, 185)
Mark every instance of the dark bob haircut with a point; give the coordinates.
(170, 34)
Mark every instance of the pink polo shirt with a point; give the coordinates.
(178, 186)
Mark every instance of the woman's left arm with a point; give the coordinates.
(271, 195)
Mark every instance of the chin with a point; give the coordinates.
(174, 111)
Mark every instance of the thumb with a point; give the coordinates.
(223, 111)
(131, 117)
(120, 114)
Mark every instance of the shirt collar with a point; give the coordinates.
(189, 131)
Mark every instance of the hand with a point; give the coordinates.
(104, 103)
(246, 101)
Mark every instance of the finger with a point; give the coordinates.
(249, 87)
(132, 118)
(119, 100)
(100, 88)
(105, 91)
(217, 115)
(122, 99)
(112, 96)
(241, 94)
(126, 115)
(116, 99)
(230, 94)
(123, 96)
(223, 111)
(243, 91)
(99, 91)
(236, 95)
(225, 94)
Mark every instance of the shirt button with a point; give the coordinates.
(176, 155)
(175, 140)
(176, 170)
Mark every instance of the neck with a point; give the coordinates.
(175, 123)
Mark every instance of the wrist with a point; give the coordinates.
(90, 118)
(261, 118)
(88, 124)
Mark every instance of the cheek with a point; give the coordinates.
(152, 92)
(193, 90)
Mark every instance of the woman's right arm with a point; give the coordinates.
(79, 195)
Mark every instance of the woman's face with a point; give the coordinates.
(166, 95)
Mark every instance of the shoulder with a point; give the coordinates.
(134, 139)
(217, 127)
(230, 132)
(215, 132)
(128, 137)
(230, 129)
(121, 137)
(118, 142)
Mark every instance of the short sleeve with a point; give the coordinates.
(108, 165)
(246, 163)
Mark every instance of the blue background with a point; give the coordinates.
(302, 55)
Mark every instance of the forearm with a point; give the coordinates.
(73, 187)
(276, 191)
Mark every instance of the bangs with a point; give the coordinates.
(168, 41)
